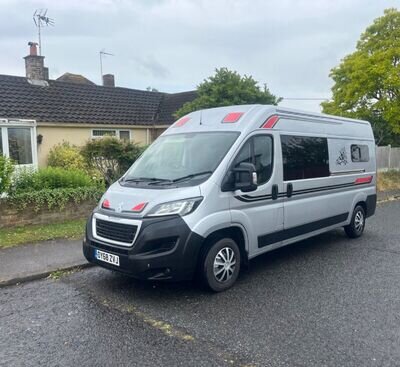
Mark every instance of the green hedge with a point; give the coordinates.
(53, 198)
(51, 178)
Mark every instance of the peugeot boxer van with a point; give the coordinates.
(224, 185)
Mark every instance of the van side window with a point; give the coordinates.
(257, 150)
(359, 153)
(304, 157)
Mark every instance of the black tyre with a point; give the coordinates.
(220, 265)
(356, 227)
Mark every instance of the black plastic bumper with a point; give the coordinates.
(165, 249)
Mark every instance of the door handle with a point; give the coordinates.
(274, 192)
(289, 190)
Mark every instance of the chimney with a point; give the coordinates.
(34, 64)
(108, 80)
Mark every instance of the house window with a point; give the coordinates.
(304, 157)
(359, 153)
(124, 135)
(101, 133)
(20, 144)
(17, 141)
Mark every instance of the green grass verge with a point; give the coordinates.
(13, 236)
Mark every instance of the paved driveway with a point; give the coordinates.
(327, 301)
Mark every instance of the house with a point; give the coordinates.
(37, 113)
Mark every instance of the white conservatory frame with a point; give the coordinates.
(8, 123)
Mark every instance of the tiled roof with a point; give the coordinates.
(172, 102)
(66, 102)
(74, 78)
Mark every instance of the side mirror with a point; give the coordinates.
(245, 177)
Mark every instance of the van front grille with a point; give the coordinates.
(115, 231)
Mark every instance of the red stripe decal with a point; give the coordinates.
(270, 122)
(362, 180)
(182, 121)
(106, 204)
(232, 117)
(139, 207)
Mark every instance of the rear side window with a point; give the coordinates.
(257, 150)
(359, 153)
(304, 157)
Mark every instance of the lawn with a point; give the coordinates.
(73, 229)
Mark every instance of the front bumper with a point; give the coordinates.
(165, 249)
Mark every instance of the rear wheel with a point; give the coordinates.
(356, 227)
(221, 265)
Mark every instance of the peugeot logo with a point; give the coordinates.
(119, 208)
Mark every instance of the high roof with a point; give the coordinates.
(66, 102)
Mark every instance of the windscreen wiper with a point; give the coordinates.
(188, 177)
(146, 179)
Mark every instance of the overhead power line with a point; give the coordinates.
(305, 99)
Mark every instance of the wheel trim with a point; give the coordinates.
(224, 264)
(359, 221)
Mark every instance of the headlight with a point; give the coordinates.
(180, 207)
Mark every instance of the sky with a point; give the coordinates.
(173, 45)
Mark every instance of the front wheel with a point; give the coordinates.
(356, 227)
(221, 265)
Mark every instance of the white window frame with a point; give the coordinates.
(117, 133)
(5, 124)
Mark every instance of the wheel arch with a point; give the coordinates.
(236, 233)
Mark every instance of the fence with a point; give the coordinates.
(387, 158)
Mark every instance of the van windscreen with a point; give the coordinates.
(180, 157)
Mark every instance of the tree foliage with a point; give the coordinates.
(6, 171)
(226, 88)
(110, 156)
(367, 82)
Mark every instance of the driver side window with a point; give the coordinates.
(258, 151)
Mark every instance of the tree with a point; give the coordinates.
(226, 88)
(367, 82)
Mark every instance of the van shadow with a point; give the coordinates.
(122, 285)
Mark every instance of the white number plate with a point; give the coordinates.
(106, 257)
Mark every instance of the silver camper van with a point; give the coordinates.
(223, 185)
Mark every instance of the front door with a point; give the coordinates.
(260, 211)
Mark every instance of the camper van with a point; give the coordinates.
(224, 185)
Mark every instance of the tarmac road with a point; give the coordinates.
(327, 301)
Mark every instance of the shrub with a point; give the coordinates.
(53, 198)
(110, 156)
(6, 171)
(66, 156)
(52, 178)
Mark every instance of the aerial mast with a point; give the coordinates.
(41, 19)
(101, 54)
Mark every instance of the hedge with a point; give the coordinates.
(52, 198)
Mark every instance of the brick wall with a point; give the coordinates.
(10, 217)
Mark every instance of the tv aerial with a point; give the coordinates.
(103, 53)
(41, 19)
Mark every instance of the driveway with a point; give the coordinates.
(327, 301)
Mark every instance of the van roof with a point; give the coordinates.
(246, 118)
